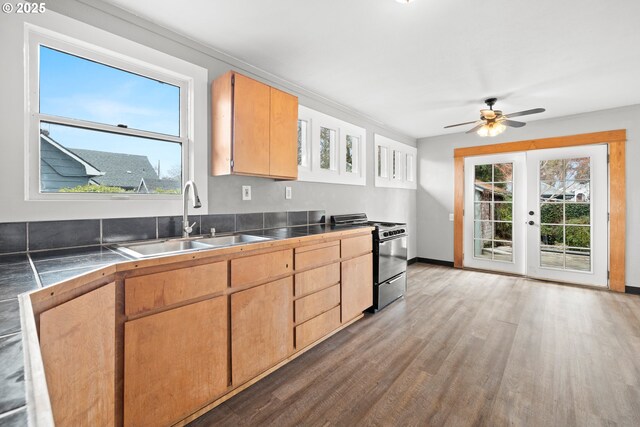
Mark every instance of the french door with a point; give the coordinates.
(542, 214)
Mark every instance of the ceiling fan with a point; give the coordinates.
(493, 122)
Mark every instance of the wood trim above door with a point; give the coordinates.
(615, 139)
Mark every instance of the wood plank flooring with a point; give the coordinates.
(463, 349)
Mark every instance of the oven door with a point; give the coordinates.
(392, 258)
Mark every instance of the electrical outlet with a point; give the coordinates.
(450, 217)
(287, 193)
(246, 192)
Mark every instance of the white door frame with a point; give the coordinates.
(518, 263)
(526, 254)
(599, 232)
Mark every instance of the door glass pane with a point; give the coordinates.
(483, 230)
(503, 251)
(484, 173)
(493, 211)
(578, 236)
(503, 192)
(482, 249)
(503, 172)
(578, 213)
(503, 211)
(503, 231)
(578, 259)
(551, 256)
(565, 202)
(578, 169)
(551, 213)
(482, 211)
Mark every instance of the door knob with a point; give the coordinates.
(531, 222)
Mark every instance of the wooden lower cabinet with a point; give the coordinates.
(261, 329)
(175, 362)
(316, 328)
(77, 343)
(357, 286)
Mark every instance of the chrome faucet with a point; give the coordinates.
(186, 228)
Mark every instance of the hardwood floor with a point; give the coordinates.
(463, 348)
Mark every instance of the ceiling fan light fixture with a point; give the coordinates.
(491, 129)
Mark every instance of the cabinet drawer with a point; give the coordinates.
(356, 246)
(311, 256)
(260, 268)
(157, 290)
(316, 279)
(310, 306)
(317, 327)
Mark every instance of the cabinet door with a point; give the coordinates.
(251, 104)
(357, 286)
(77, 342)
(261, 329)
(175, 362)
(283, 153)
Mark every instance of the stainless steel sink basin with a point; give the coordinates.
(234, 239)
(143, 250)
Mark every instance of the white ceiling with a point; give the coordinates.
(421, 66)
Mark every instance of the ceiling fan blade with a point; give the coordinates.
(512, 123)
(526, 112)
(475, 128)
(460, 124)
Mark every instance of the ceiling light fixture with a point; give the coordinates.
(491, 129)
(404, 1)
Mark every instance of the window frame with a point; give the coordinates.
(305, 151)
(314, 173)
(36, 38)
(404, 153)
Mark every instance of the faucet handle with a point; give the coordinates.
(189, 228)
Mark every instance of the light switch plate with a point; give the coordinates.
(246, 192)
(287, 193)
(450, 217)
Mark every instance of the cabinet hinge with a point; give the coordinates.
(608, 216)
(233, 79)
(608, 274)
(608, 157)
(231, 163)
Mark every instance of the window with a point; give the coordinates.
(334, 149)
(409, 168)
(303, 143)
(383, 156)
(352, 154)
(327, 148)
(105, 125)
(395, 163)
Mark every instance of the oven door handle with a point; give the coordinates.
(395, 280)
(382, 242)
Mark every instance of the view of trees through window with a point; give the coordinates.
(327, 148)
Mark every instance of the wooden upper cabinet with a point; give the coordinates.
(254, 128)
(283, 157)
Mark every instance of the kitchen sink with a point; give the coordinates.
(144, 250)
(168, 247)
(234, 239)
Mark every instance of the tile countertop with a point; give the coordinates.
(24, 273)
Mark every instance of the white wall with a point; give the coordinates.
(435, 182)
(224, 192)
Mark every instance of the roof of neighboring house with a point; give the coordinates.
(90, 170)
(159, 184)
(120, 170)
